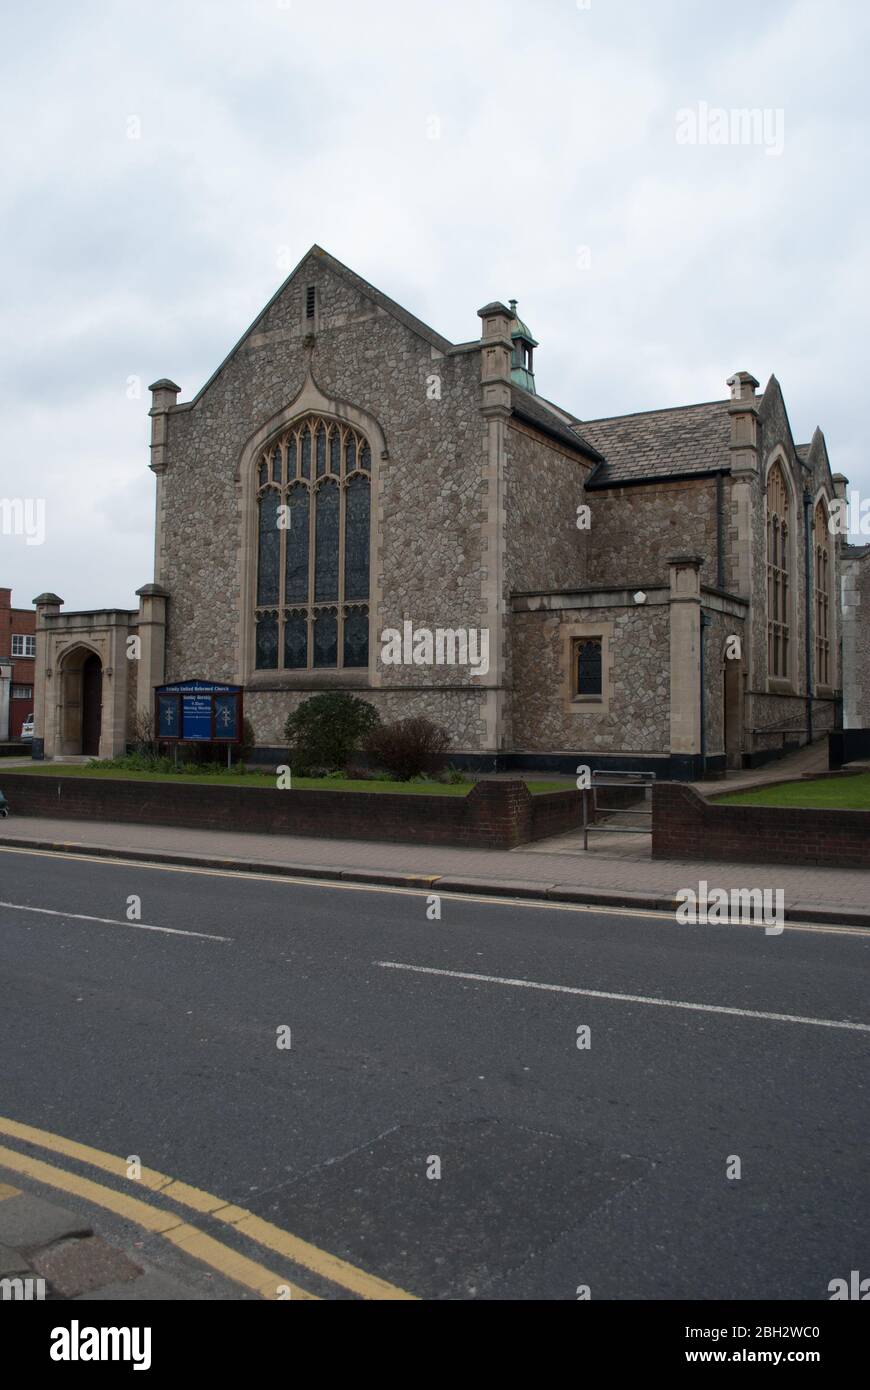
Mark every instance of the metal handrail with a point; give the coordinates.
(641, 780)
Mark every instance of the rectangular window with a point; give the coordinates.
(22, 692)
(587, 667)
(23, 645)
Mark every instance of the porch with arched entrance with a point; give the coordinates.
(80, 713)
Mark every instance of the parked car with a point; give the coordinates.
(27, 727)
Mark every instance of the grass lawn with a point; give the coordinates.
(267, 779)
(830, 793)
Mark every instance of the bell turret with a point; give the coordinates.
(522, 369)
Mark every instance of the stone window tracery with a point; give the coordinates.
(822, 572)
(313, 561)
(778, 576)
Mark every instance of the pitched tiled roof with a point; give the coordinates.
(535, 412)
(682, 441)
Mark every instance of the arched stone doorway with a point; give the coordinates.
(81, 710)
(92, 705)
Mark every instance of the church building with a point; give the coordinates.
(352, 502)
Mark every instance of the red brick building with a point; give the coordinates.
(17, 662)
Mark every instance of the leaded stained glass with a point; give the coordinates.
(821, 540)
(356, 539)
(320, 444)
(356, 637)
(589, 667)
(326, 542)
(778, 597)
(325, 632)
(267, 642)
(320, 552)
(268, 570)
(296, 545)
(295, 641)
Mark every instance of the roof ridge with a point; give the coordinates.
(659, 410)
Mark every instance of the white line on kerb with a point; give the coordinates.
(625, 998)
(112, 922)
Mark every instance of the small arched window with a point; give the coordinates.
(313, 562)
(822, 584)
(778, 576)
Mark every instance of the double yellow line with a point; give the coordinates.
(190, 1239)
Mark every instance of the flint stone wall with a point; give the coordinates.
(635, 530)
(637, 719)
(431, 497)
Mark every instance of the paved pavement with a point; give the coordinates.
(380, 1097)
(616, 869)
(50, 1252)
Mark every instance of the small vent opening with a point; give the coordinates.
(310, 301)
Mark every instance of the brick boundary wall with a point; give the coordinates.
(494, 814)
(686, 826)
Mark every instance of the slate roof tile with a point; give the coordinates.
(682, 441)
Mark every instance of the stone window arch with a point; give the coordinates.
(822, 594)
(313, 562)
(779, 516)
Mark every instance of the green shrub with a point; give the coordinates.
(150, 762)
(409, 748)
(134, 762)
(326, 730)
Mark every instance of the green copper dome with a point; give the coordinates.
(524, 344)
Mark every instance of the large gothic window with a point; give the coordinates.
(778, 580)
(822, 576)
(314, 509)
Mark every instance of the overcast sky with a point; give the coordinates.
(451, 153)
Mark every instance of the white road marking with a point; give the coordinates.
(625, 998)
(112, 922)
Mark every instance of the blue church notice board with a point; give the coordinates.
(199, 711)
